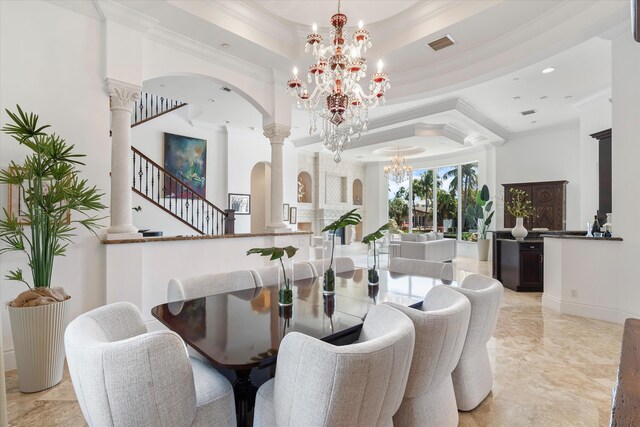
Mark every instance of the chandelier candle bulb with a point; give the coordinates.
(337, 98)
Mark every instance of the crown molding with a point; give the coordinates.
(604, 92)
(116, 12)
(87, 8)
(573, 124)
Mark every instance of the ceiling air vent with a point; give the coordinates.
(225, 89)
(526, 113)
(442, 42)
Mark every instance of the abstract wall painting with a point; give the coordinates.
(186, 159)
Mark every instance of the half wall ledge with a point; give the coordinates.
(208, 237)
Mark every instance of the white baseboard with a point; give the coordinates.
(607, 314)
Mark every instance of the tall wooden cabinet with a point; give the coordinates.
(549, 203)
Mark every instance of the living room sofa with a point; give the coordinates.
(426, 246)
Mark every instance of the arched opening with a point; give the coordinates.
(260, 196)
(305, 188)
(357, 192)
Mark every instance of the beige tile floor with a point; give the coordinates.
(549, 370)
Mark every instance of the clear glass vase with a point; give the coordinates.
(329, 275)
(373, 263)
(285, 281)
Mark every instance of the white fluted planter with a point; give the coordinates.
(483, 249)
(519, 232)
(38, 339)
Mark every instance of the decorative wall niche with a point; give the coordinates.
(357, 193)
(305, 188)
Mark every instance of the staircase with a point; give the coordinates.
(166, 191)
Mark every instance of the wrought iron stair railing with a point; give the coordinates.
(177, 198)
(150, 106)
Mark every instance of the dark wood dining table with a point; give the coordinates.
(240, 332)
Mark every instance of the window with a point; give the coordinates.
(456, 187)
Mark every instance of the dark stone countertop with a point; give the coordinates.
(564, 236)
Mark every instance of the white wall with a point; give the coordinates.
(246, 148)
(52, 65)
(626, 180)
(551, 154)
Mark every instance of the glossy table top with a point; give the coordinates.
(243, 329)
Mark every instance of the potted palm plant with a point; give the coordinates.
(481, 215)
(51, 194)
(285, 292)
(329, 277)
(373, 262)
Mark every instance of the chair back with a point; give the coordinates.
(361, 384)
(340, 265)
(123, 375)
(416, 267)
(441, 327)
(485, 295)
(212, 284)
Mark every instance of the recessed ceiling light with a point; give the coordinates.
(568, 97)
(227, 121)
(534, 121)
(161, 85)
(548, 70)
(515, 98)
(544, 97)
(225, 45)
(212, 100)
(359, 157)
(516, 79)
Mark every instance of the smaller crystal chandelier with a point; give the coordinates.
(398, 171)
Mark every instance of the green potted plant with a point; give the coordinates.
(373, 263)
(520, 207)
(285, 293)
(481, 215)
(329, 277)
(51, 196)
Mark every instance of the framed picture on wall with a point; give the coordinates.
(241, 203)
(17, 207)
(186, 159)
(285, 212)
(293, 215)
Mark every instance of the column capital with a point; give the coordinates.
(122, 94)
(276, 133)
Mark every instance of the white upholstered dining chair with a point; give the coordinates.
(340, 265)
(473, 378)
(269, 275)
(319, 384)
(125, 376)
(212, 284)
(441, 326)
(416, 267)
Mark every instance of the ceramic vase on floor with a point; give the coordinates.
(519, 232)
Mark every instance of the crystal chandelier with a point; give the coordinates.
(337, 98)
(398, 171)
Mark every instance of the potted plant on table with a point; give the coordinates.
(49, 193)
(373, 263)
(285, 292)
(329, 277)
(520, 207)
(481, 214)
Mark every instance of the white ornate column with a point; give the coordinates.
(276, 134)
(121, 95)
